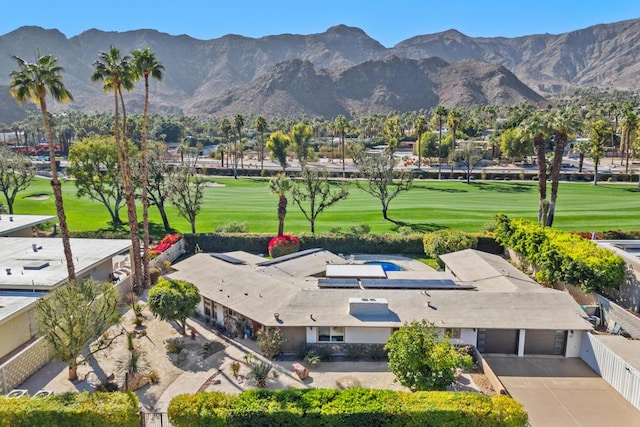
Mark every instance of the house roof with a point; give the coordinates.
(11, 223)
(503, 297)
(14, 303)
(45, 268)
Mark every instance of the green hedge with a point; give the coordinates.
(357, 406)
(71, 410)
(387, 243)
(561, 255)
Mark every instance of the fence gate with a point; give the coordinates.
(154, 419)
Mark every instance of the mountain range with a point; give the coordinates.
(339, 71)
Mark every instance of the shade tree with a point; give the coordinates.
(174, 300)
(16, 173)
(313, 193)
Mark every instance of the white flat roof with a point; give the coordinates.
(13, 303)
(358, 271)
(46, 268)
(12, 223)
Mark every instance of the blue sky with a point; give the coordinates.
(389, 22)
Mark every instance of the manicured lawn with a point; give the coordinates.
(430, 205)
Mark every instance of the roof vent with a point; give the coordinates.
(368, 306)
(8, 272)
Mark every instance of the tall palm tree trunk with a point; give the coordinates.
(538, 142)
(145, 199)
(129, 195)
(558, 150)
(57, 193)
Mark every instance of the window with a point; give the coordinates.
(452, 332)
(331, 334)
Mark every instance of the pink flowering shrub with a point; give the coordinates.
(283, 245)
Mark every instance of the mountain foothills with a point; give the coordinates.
(339, 71)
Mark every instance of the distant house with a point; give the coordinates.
(318, 298)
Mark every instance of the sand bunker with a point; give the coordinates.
(37, 197)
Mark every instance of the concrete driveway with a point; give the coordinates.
(563, 392)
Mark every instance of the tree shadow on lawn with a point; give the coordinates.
(156, 231)
(442, 190)
(633, 190)
(503, 187)
(419, 227)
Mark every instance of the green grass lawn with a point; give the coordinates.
(430, 205)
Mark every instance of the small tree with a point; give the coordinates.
(187, 193)
(313, 195)
(74, 315)
(16, 173)
(421, 359)
(446, 241)
(270, 342)
(469, 155)
(378, 174)
(174, 300)
(277, 145)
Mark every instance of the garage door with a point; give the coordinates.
(544, 342)
(498, 341)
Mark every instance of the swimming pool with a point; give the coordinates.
(386, 266)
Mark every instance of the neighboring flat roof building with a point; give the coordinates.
(21, 225)
(38, 263)
(320, 297)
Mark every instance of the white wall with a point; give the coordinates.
(219, 314)
(312, 335)
(200, 306)
(354, 335)
(574, 343)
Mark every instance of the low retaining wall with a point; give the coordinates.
(488, 372)
(24, 364)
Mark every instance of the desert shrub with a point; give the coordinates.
(270, 342)
(232, 227)
(154, 275)
(446, 241)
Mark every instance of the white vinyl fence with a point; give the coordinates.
(623, 377)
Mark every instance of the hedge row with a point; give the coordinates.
(357, 406)
(71, 410)
(389, 243)
(562, 256)
(335, 242)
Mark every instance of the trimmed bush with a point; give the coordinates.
(283, 245)
(446, 241)
(71, 410)
(354, 406)
(562, 256)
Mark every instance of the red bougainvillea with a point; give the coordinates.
(283, 245)
(168, 241)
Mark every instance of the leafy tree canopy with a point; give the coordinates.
(174, 300)
(421, 359)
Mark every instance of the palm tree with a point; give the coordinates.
(32, 82)
(340, 125)
(420, 127)
(279, 185)
(628, 131)
(238, 122)
(261, 128)
(115, 72)
(440, 114)
(454, 121)
(225, 128)
(565, 123)
(146, 65)
(536, 128)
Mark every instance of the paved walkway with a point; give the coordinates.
(563, 392)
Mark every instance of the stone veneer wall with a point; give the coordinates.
(24, 364)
